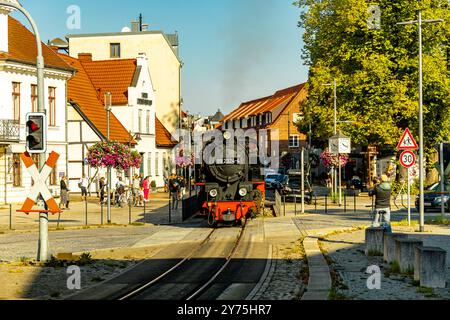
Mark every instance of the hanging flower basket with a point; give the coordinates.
(333, 160)
(114, 155)
(184, 161)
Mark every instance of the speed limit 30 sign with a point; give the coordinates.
(407, 159)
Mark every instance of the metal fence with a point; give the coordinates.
(9, 130)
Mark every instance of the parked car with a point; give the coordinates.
(293, 190)
(271, 179)
(433, 198)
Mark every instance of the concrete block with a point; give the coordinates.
(389, 245)
(430, 267)
(405, 253)
(374, 241)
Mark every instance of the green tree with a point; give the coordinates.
(376, 70)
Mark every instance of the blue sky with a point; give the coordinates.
(233, 50)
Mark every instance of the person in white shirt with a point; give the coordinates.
(84, 184)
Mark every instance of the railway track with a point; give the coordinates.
(184, 268)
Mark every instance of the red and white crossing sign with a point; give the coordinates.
(39, 186)
(407, 159)
(407, 142)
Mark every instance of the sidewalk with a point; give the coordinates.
(156, 212)
(346, 250)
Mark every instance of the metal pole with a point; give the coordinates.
(340, 181)
(326, 204)
(145, 212)
(108, 209)
(129, 212)
(170, 204)
(43, 244)
(409, 197)
(421, 143)
(354, 202)
(441, 163)
(86, 210)
(101, 214)
(303, 180)
(335, 106)
(284, 204)
(10, 216)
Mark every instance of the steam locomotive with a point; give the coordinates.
(231, 189)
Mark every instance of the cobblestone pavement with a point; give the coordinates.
(289, 279)
(347, 252)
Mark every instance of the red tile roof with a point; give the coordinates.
(82, 92)
(22, 48)
(267, 104)
(163, 136)
(114, 76)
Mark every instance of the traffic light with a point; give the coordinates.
(36, 132)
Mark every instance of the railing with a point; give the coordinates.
(9, 130)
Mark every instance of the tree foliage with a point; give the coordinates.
(376, 70)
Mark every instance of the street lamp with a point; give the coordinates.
(419, 22)
(334, 174)
(10, 5)
(108, 104)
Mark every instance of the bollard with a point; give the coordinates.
(295, 205)
(390, 246)
(354, 202)
(129, 212)
(145, 212)
(10, 217)
(86, 211)
(326, 204)
(315, 203)
(374, 241)
(101, 213)
(284, 204)
(345, 202)
(430, 267)
(405, 253)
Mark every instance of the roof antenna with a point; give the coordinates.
(140, 22)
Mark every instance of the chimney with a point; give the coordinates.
(135, 26)
(85, 57)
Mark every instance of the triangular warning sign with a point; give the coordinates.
(407, 142)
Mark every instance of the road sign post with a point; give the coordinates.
(408, 159)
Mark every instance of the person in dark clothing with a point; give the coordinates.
(382, 193)
(102, 185)
(174, 189)
(64, 205)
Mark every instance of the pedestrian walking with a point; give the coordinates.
(83, 184)
(64, 203)
(102, 187)
(382, 213)
(146, 187)
(174, 188)
(136, 189)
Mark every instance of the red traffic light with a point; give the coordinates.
(33, 126)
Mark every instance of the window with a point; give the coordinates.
(115, 50)
(52, 106)
(16, 101)
(17, 170)
(294, 141)
(148, 122)
(149, 164)
(34, 98)
(140, 121)
(157, 164)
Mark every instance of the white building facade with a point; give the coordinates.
(18, 96)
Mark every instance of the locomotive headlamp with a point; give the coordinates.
(213, 193)
(243, 192)
(227, 135)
